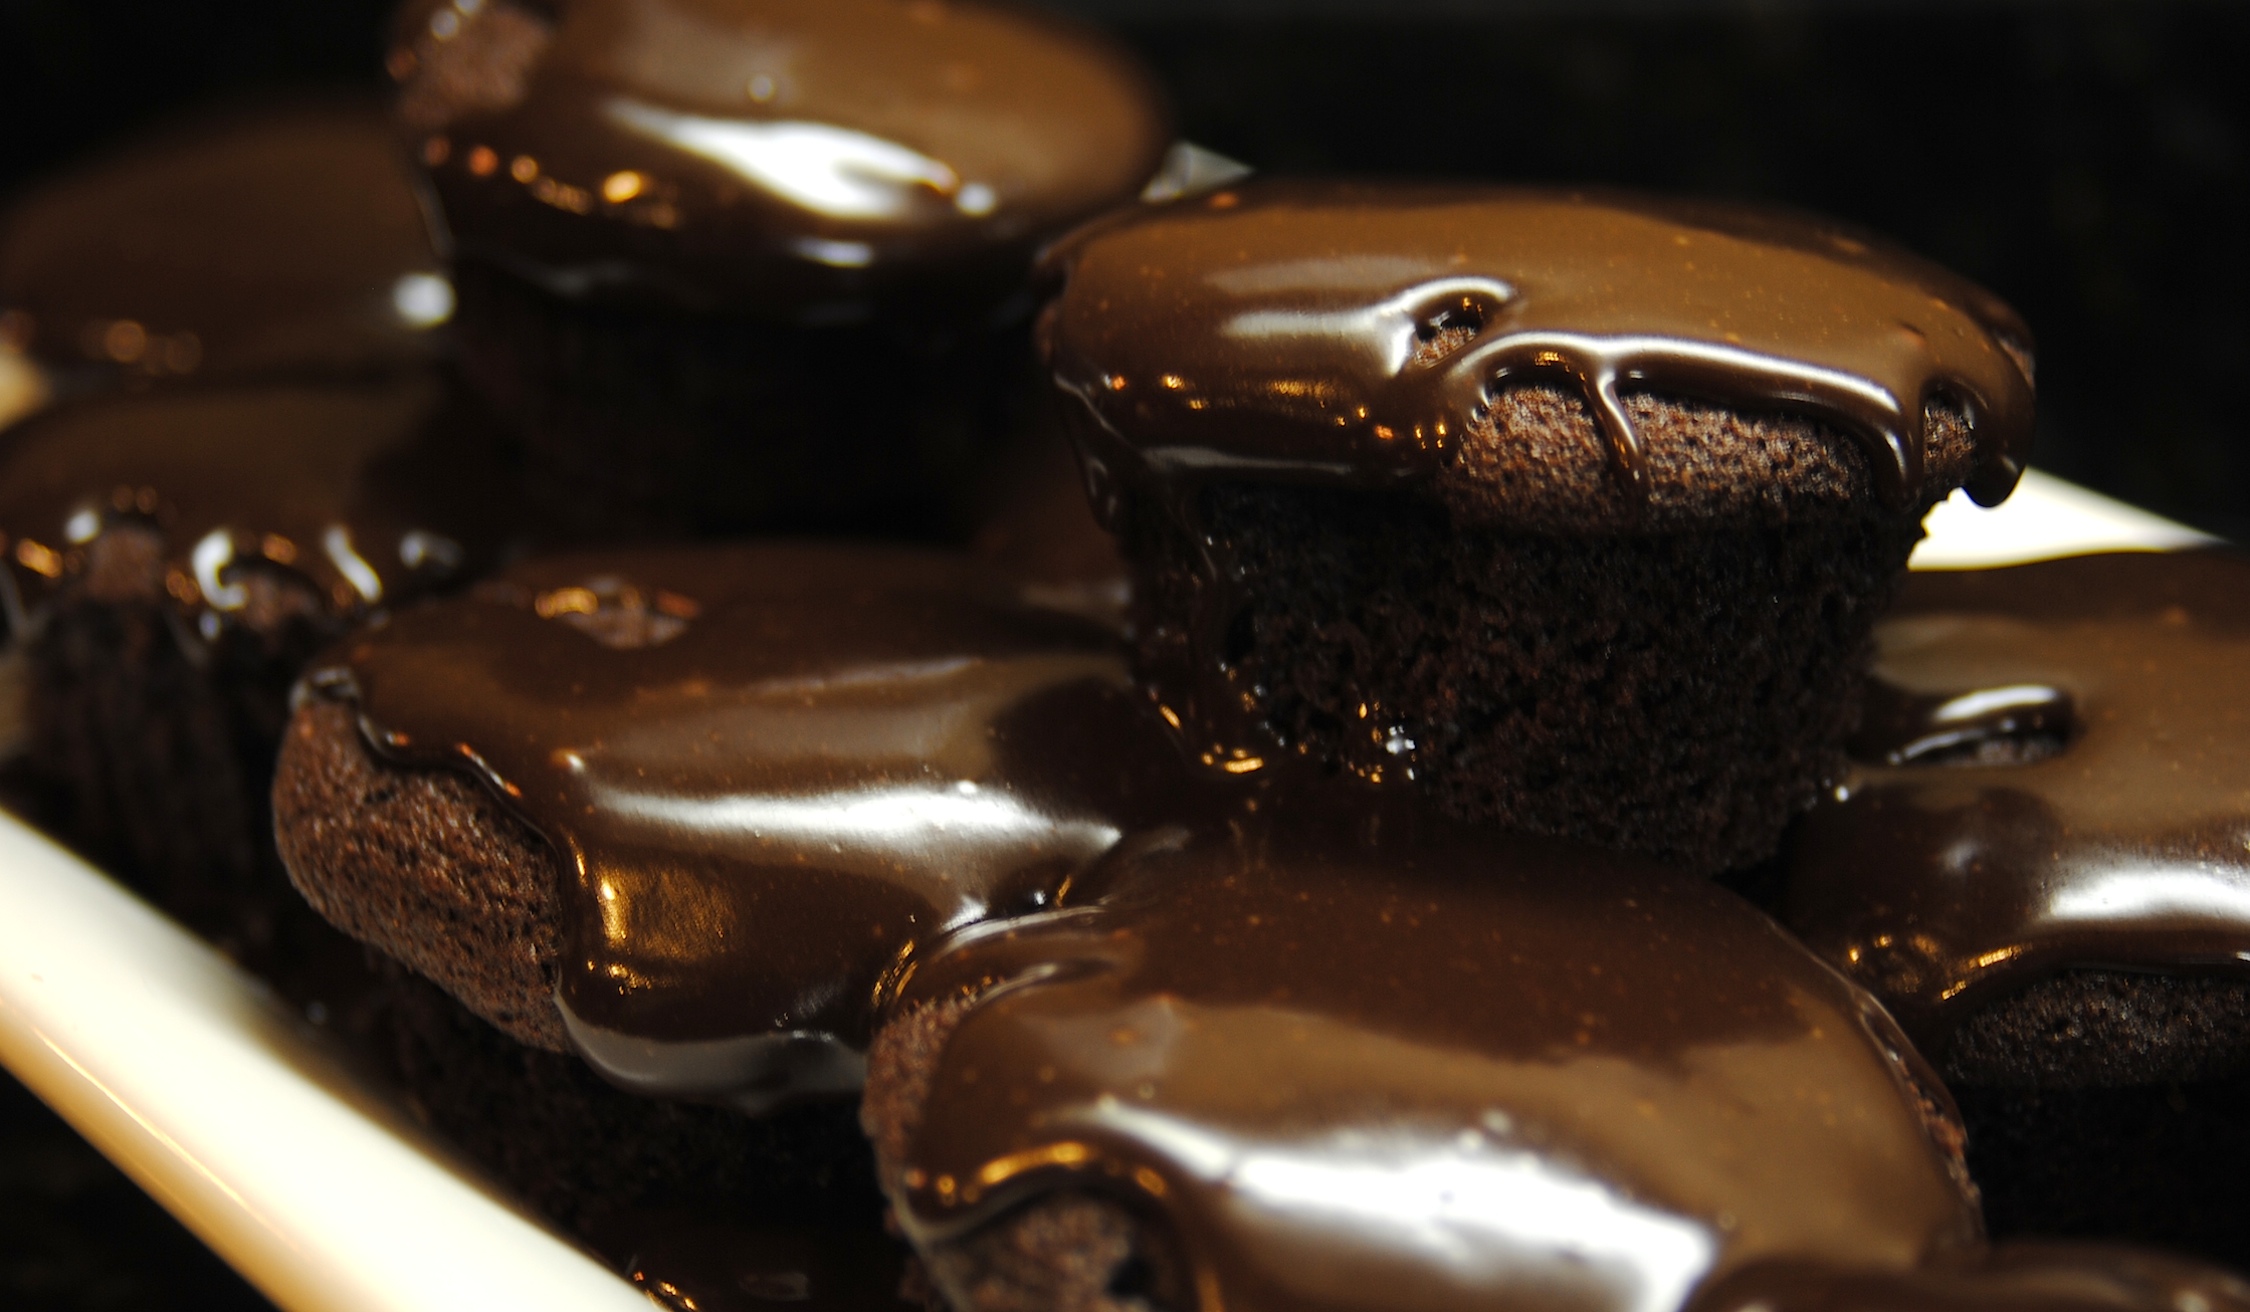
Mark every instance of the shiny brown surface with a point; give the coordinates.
(797, 158)
(370, 492)
(1360, 1060)
(1966, 857)
(1331, 333)
(772, 772)
(289, 239)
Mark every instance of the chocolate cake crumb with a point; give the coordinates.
(2106, 1029)
(162, 737)
(1065, 1252)
(426, 866)
(1682, 694)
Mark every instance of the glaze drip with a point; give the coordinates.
(370, 493)
(804, 159)
(1356, 1059)
(771, 774)
(2055, 773)
(1327, 333)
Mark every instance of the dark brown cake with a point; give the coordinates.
(2039, 863)
(761, 266)
(1575, 511)
(172, 561)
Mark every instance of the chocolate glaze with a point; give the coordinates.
(285, 239)
(2020, 1277)
(1356, 1059)
(1345, 335)
(803, 159)
(2055, 772)
(369, 492)
(771, 774)
(1333, 334)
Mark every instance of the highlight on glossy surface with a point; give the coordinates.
(1360, 1059)
(769, 774)
(2054, 772)
(200, 1084)
(1343, 334)
(2047, 517)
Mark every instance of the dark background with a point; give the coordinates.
(2085, 160)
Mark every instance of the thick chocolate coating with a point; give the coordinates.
(1330, 333)
(1360, 1060)
(801, 159)
(771, 774)
(370, 492)
(285, 240)
(1966, 856)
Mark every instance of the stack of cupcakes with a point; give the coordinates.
(1307, 902)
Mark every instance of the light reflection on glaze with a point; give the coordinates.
(339, 484)
(1942, 886)
(1377, 1063)
(1279, 328)
(796, 158)
(768, 792)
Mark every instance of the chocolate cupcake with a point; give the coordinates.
(686, 813)
(172, 559)
(2040, 862)
(1313, 1053)
(1573, 510)
(285, 240)
(761, 265)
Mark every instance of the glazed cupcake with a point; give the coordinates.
(2039, 859)
(1321, 1053)
(761, 265)
(1572, 510)
(172, 560)
(679, 816)
(282, 240)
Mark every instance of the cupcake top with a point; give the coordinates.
(268, 242)
(802, 159)
(2077, 734)
(368, 492)
(1402, 1066)
(773, 773)
(1349, 335)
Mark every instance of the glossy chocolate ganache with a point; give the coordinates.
(366, 492)
(1352, 1058)
(1333, 334)
(2054, 772)
(771, 775)
(799, 159)
(287, 239)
